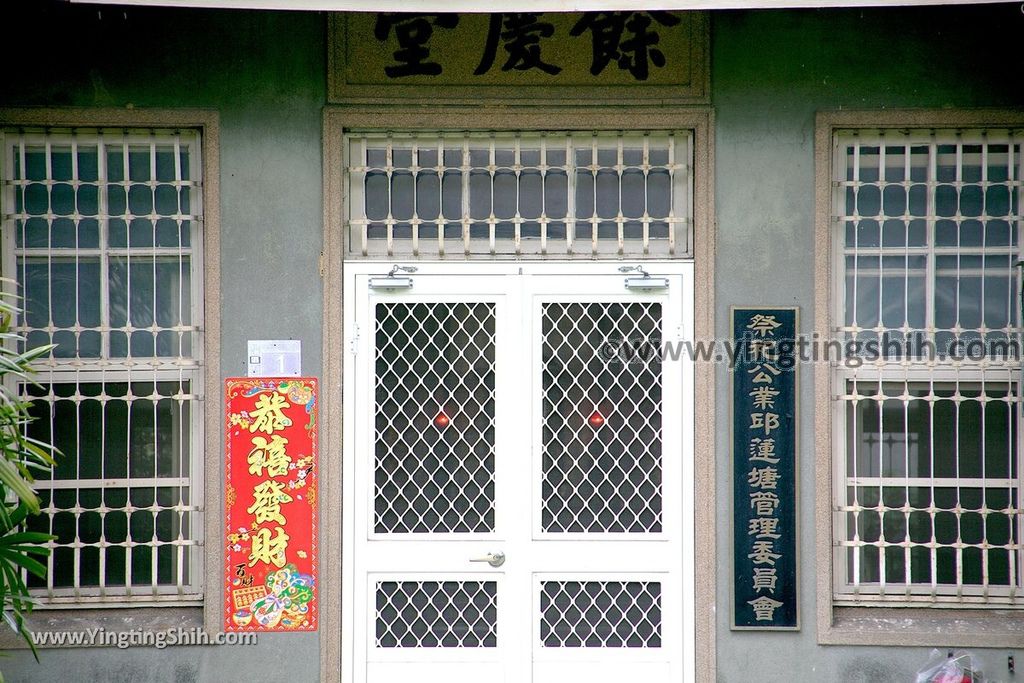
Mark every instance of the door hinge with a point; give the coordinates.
(322, 265)
(353, 342)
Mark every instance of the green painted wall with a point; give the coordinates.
(265, 73)
(770, 72)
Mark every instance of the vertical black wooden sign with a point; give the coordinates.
(764, 404)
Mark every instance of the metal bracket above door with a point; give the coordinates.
(392, 280)
(643, 283)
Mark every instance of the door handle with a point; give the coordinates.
(494, 559)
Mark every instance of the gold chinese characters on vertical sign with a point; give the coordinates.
(271, 505)
(764, 453)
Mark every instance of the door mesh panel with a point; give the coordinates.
(600, 614)
(602, 417)
(437, 614)
(434, 418)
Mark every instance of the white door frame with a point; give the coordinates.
(358, 370)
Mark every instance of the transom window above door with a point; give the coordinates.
(535, 195)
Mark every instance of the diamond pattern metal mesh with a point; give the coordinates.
(600, 614)
(602, 438)
(437, 614)
(434, 418)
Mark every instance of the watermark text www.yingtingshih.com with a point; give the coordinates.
(852, 352)
(139, 638)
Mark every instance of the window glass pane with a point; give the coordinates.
(65, 292)
(886, 291)
(154, 294)
(949, 429)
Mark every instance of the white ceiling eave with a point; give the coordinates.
(434, 6)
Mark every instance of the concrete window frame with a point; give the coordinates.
(159, 618)
(490, 116)
(880, 624)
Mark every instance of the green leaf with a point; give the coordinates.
(20, 457)
(26, 635)
(12, 479)
(32, 565)
(9, 618)
(40, 550)
(12, 517)
(18, 595)
(25, 537)
(34, 448)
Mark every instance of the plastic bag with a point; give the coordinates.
(953, 667)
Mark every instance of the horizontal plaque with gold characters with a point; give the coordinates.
(519, 55)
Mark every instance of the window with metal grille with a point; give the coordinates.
(927, 403)
(102, 233)
(553, 195)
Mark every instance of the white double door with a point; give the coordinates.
(518, 475)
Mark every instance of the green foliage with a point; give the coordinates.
(20, 456)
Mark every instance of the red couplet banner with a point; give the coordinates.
(270, 564)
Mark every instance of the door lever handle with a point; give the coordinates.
(494, 559)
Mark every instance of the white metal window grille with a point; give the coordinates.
(517, 194)
(601, 468)
(601, 614)
(434, 465)
(102, 232)
(448, 614)
(927, 493)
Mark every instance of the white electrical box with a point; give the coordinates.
(275, 358)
